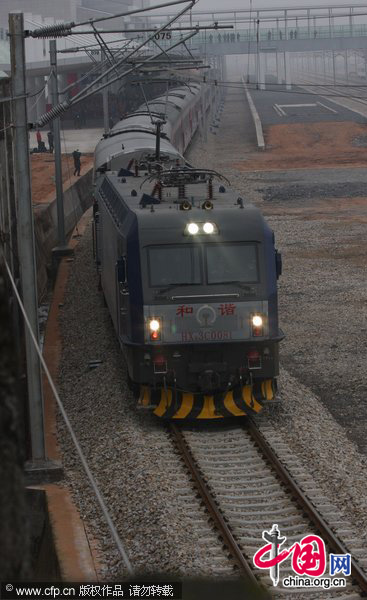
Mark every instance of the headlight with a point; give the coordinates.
(201, 228)
(257, 321)
(257, 328)
(154, 325)
(192, 228)
(208, 228)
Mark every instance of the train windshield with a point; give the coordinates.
(174, 265)
(226, 263)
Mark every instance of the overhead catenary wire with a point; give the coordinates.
(92, 70)
(146, 103)
(239, 86)
(65, 29)
(270, 18)
(172, 20)
(80, 48)
(39, 94)
(95, 68)
(139, 47)
(66, 104)
(82, 458)
(196, 27)
(10, 98)
(63, 106)
(329, 85)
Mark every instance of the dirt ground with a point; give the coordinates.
(43, 174)
(302, 146)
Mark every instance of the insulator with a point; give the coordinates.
(52, 31)
(207, 205)
(185, 205)
(181, 190)
(210, 189)
(52, 114)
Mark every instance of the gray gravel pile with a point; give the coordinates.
(301, 192)
(143, 482)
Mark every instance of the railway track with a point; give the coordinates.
(246, 488)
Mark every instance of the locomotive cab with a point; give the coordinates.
(189, 272)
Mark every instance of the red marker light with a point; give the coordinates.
(254, 359)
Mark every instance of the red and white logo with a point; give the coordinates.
(309, 559)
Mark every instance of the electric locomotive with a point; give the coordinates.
(189, 272)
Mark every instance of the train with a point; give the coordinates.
(188, 268)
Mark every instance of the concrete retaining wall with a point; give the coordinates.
(77, 199)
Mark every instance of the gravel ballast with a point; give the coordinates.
(129, 451)
(322, 416)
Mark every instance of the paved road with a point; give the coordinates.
(278, 106)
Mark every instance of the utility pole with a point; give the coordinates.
(106, 119)
(57, 149)
(257, 54)
(158, 125)
(26, 246)
(203, 105)
(38, 469)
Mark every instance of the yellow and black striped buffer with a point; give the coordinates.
(238, 402)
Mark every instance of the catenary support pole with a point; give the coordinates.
(106, 120)
(57, 148)
(287, 71)
(205, 132)
(26, 245)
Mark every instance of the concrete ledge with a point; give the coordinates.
(76, 549)
(73, 550)
(77, 199)
(256, 119)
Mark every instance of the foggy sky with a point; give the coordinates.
(257, 4)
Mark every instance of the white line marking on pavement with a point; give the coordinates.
(338, 102)
(295, 105)
(328, 108)
(276, 108)
(280, 110)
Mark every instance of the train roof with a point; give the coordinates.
(139, 123)
(168, 104)
(130, 194)
(135, 143)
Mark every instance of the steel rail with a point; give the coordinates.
(289, 483)
(211, 506)
(302, 500)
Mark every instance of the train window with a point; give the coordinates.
(174, 265)
(227, 263)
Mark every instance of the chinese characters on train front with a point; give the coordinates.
(224, 310)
